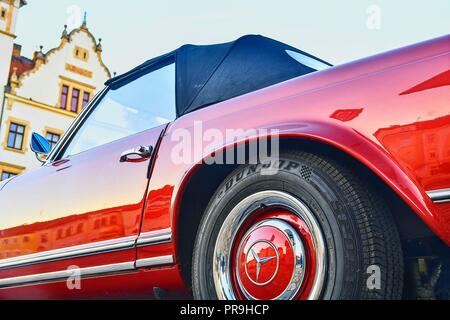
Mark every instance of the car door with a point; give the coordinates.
(83, 208)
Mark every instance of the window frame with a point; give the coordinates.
(58, 152)
(53, 142)
(61, 106)
(77, 97)
(3, 14)
(81, 53)
(84, 101)
(73, 85)
(26, 125)
(10, 168)
(17, 132)
(53, 131)
(9, 174)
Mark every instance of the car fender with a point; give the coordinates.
(356, 145)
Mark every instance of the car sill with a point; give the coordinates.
(69, 252)
(154, 237)
(66, 274)
(144, 239)
(156, 261)
(104, 270)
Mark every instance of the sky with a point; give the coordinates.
(134, 31)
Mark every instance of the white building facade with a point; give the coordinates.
(8, 19)
(44, 94)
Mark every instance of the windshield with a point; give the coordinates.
(142, 104)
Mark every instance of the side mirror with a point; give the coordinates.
(40, 145)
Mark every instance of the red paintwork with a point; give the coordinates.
(104, 210)
(135, 285)
(391, 112)
(84, 203)
(441, 80)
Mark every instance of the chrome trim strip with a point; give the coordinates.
(66, 274)
(63, 275)
(156, 261)
(439, 196)
(155, 237)
(70, 252)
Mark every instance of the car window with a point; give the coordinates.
(147, 102)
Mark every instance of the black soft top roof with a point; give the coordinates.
(208, 74)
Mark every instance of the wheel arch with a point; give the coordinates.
(413, 218)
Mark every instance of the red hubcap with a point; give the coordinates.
(275, 257)
(265, 263)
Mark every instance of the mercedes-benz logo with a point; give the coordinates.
(261, 252)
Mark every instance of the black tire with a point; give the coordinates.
(358, 228)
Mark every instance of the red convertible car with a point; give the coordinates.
(243, 170)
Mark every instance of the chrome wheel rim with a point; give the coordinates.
(299, 276)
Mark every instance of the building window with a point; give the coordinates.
(52, 138)
(75, 100)
(15, 136)
(81, 54)
(64, 95)
(75, 95)
(9, 170)
(52, 135)
(6, 175)
(86, 97)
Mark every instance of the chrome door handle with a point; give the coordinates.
(138, 154)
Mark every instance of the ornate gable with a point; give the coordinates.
(77, 62)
